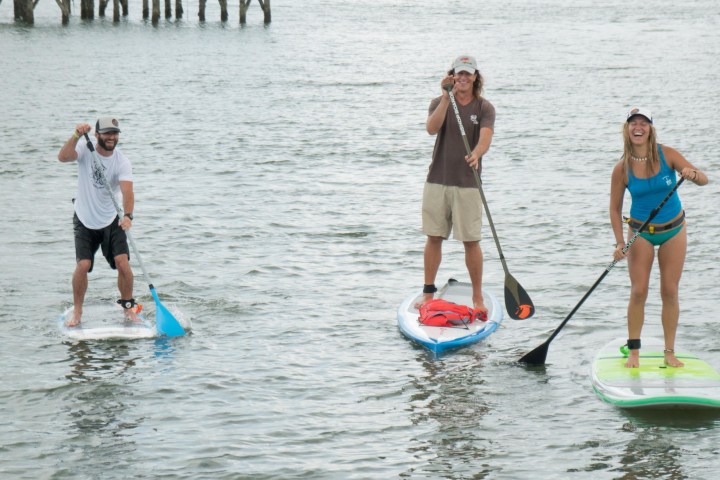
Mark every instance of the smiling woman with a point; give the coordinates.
(648, 171)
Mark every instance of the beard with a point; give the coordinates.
(104, 146)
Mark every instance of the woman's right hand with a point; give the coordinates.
(618, 253)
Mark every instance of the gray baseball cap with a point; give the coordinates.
(107, 125)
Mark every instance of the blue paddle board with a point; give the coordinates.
(105, 322)
(654, 384)
(440, 339)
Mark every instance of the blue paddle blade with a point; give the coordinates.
(167, 324)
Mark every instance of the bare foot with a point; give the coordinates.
(479, 305)
(480, 311)
(633, 360)
(480, 314)
(131, 316)
(74, 321)
(426, 298)
(672, 361)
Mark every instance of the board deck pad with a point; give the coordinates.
(440, 339)
(105, 322)
(697, 384)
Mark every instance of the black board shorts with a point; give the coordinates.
(112, 239)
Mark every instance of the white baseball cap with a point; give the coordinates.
(639, 111)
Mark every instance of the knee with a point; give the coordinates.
(435, 241)
(669, 295)
(638, 293)
(122, 264)
(83, 266)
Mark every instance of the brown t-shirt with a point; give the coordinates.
(448, 165)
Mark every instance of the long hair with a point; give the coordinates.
(653, 160)
(477, 84)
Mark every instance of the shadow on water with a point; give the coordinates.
(675, 418)
(449, 403)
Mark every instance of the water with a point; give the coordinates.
(279, 171)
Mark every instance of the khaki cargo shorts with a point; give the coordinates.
(452, 208)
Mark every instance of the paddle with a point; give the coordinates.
(167, 324)
(517, 301)
(537, 356)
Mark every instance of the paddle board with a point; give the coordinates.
(440, 339)
(106, 322)
(653, 384)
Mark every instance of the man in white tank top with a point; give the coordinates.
(96, 221)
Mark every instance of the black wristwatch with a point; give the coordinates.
(129, 215)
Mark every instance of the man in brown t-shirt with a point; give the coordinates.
(451, 197)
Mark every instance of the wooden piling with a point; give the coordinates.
(64, 10)
(87, 9)
(264, 4)
(24, 10)
(102, 5)
(201, 10)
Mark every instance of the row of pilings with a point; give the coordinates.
(24, 9)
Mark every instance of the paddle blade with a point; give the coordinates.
(537, 356)
(517, 301)
(166, 322)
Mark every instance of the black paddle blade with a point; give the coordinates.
(537, 356)
(517, 301)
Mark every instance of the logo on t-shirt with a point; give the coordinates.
(668, 180)
(473, 119)
(98, 176)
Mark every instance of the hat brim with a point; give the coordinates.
(109, 130)
(464, 68)
(639, 115)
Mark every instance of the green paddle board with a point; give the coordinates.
(654, 384)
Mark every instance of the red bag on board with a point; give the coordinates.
(441, 313)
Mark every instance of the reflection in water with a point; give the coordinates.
(99, 404)
(651, 454)
(89, 364)
(658, 449)
(655, 452)
(449, 401)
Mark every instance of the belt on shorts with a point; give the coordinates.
(635, 225)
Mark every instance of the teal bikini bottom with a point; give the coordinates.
(658, 239)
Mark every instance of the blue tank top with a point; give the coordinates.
(647, 193)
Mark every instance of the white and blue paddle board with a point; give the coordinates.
(105, 322)
(440, 339)
(654, 384)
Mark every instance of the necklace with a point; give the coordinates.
(638, 159)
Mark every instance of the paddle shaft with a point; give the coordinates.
(99, 167)
(517, 302)
(625, 249)
(477, 178)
